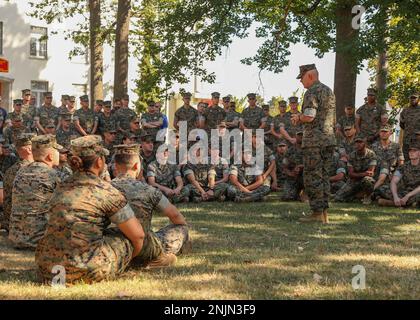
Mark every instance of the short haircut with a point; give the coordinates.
(126, 159)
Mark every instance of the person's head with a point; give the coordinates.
(125, 100)
(247, 156)
(256, 139)
(385, 133)
(360, 143)
(186, 97)
(215, 98)
(26, 95)
(5, 149)
(32, 102)
(65, 120)
(147, 143)
(72, 102)
(110, 132)
(64, 99)
(162, 156)
(63, 154)
(226, 102)
(282, 106)
(17, 120)
(134, 123)
(174, 139)
(214, 153)
(129, 139)
(349, 131)
(266, 109)
(117, 103)
(414, 151)
(281, 147)
(308, 75)
(48, 98)
(293, 103)
(50, 127)
(371, 95)
(158, 106)
(88, 155)
(349, 110)
(232, 106)
(151, 107)
(45, 149)
(222, 128)
(17, 105)
(107, 107)
(84, 101)
(201, 107)
(23, 146)
(127, 159)
(252, 99)
(299, 136)
(414, 99)
(98, 106)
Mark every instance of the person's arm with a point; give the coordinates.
(234, 180)
(258, 183)
(133, 230)
(270, 169)
(413, 193)
(394, 190)
(287, 136)
(263, 123)
(337, 177)
(152, 181)
(179, 184)
(79, 127)
(380, 181)
(274, 133)
(95, 126)
(358, 123)
(194, 182)
(174, 215)
(176, 120)
(38, 125)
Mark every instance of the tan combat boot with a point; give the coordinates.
(314, 217)
(385, 202)
(164, 260)
(325, 216)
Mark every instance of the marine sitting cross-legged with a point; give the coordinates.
(78, 237)
(159, 248)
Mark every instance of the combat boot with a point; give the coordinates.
(385, 202)
(164, 260)
(186, 247)
(325, 216)
(314, 217)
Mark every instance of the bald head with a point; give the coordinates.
(309, 78)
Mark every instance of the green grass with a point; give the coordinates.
(259, 251)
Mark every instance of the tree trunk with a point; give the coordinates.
(96, 51)
(345, 74)
(381, 75)
(121, 48)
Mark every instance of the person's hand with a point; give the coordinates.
(204, 195)
(295, 119)
(397, 201)
(210, 193)
(177, 191)
(274, 186)
(404, 200)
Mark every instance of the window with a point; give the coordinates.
(1, 38)
(38, 88)
(38, 42)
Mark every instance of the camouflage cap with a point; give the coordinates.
(186, 94)
(84, 98)
(88, 146)
(110, 127)
(299, 132)
(6, 146)
(99, 102)
(125, 97)
(281, 142)
(348, 127)
(215, 95)
(64, 150)
(65, 97)
(293, 99)
(151, 103)
(360, 137)
(146, 137)
(227, 98)
(415, 144)
(72, 98)
(251, 96)
(371, 92)
(305, 68)
(222, 124)
(45, 141)
(134, 118)
(107, 103)
(26, 91)
(24, 139)
(349, 106)
(132, 149)
(50, 124)
(266, 107)
(47, 94)
(414, 95)
(283, 103)
(386, 127)
(18, 101)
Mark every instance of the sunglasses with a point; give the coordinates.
(347, 129)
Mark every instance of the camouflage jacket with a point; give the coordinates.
(410, 176)
(151, 117)
(123, 117)
(188, 114)
(240, 171)
(361, 163)
(64, 137)
(346, 121)
(252, 118)
(87, 119)
(370, 119)
(164, 174)
(410, 122)
(293, 157)
(213, 115)
(387, 158)
(10, 134)
(201, 172)
(46, 114)
(319, 101)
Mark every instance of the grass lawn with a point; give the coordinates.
(260, 251)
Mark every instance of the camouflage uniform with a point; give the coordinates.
(77, 237)
(318, 144)
(290, 128)
(145, 200)
(409, 180)
(246, 179)
(11, 134)
(146, 160)
(122, 118)
(281, 121)
(64, 137)
(45, 114)
(106, 121)
(252, 117)
(231, 116)
(269, 139)
(213, 116)
(293, 186)
(202, 173)
(188, 114)
(346, 146)
(151, 117)
(387, 158)
(360, 163)
(29, 114)
(346, 121)
(5, 163)
(87, 119)
(281, 176)
(337, 166)
(370, 120)
(165, 175)
(33, 187)
(410, 123)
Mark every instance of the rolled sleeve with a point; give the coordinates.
(310, 112)
(122, 215)
(163, 203)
